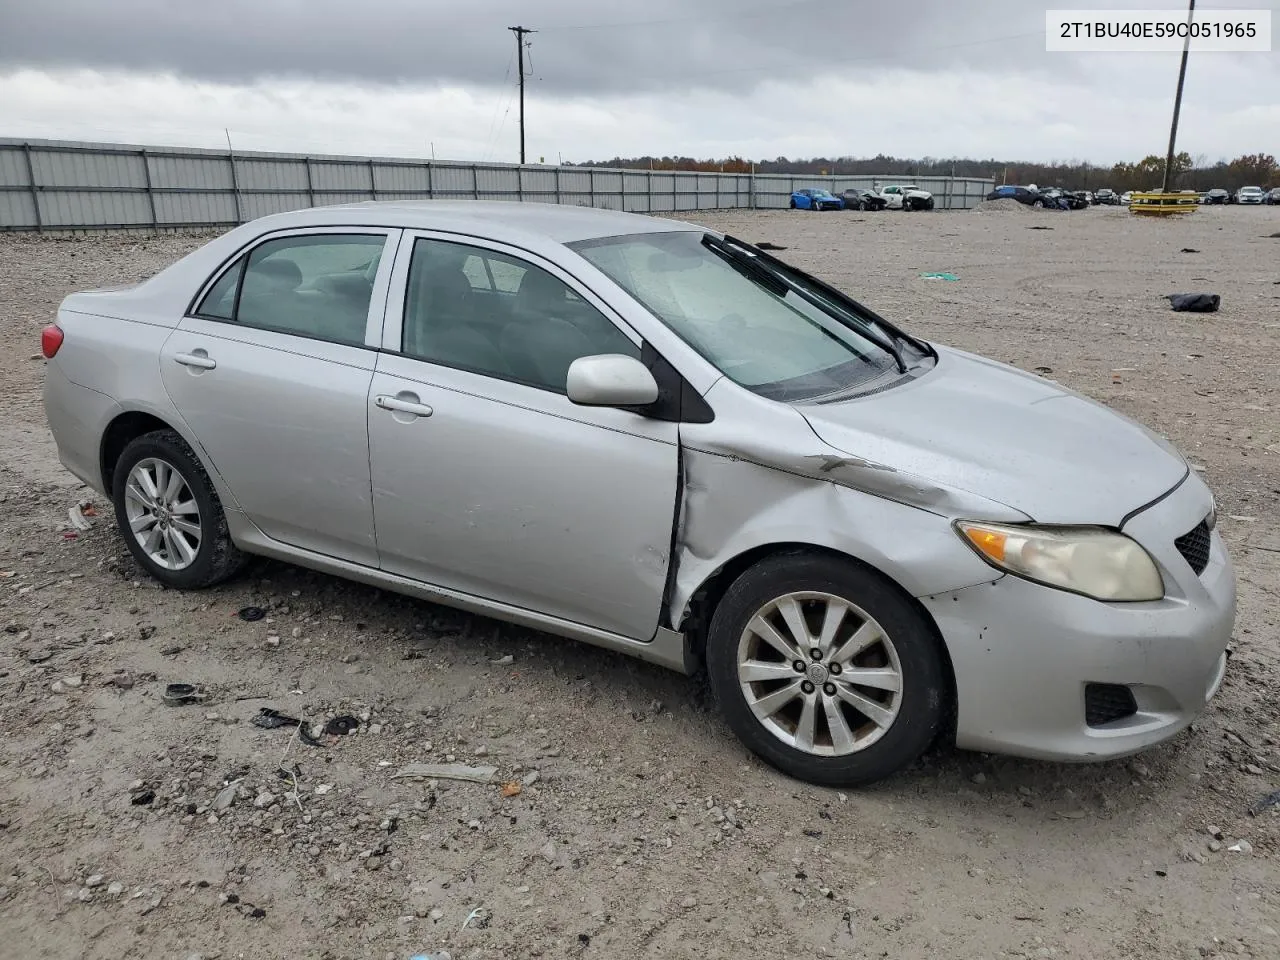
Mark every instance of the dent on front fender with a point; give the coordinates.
(731, 505)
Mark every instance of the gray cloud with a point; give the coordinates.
(581, 48)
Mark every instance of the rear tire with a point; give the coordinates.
(809, 722)
(169, 514)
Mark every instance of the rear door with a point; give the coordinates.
(486, 478)
(271, 371)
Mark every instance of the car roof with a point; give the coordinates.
(495, 219)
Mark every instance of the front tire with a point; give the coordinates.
(169, 514)
(825, 670)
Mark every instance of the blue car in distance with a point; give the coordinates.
(808, 199)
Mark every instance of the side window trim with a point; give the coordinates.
(239, 260)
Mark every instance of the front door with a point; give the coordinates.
(272, 372)
(486, 478)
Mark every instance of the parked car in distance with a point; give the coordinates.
(1075, 199)
(1126, 197)
(1273, 195)
(907, 197)
(1216, 196)
(662, 440)
(1024, 195)
(863, 200)
(1088, 196)
(814, 199)
(1106, 196)
(1250, 195)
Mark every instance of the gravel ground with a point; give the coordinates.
(642, 828)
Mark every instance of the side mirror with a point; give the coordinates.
(611, 380)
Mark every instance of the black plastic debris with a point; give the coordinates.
(1270, 800)
(1039, 228)
(1195, 302)
(305, 736)
(341, 726)
(140, 798)
(269, 719)
(180, 694)
(249, 614)
(1190, 250)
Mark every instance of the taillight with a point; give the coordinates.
(50, 340)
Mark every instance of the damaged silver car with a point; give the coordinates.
(662, 440)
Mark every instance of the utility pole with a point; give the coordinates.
(1177, 100)
(520, 32)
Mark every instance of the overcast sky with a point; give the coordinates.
(703, 78)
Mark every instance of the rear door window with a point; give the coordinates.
(318, 286)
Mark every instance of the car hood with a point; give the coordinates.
(991, 430)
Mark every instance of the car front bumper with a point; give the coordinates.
(1023, 653)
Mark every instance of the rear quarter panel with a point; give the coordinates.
(119, 360)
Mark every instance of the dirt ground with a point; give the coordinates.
(643, 829)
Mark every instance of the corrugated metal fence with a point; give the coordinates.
(64, 185)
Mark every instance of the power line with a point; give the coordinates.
(497, 107)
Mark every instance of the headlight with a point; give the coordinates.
(1089, 560)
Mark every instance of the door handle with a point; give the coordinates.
(201, 360)
(399, 405)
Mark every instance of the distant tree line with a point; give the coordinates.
(1257, 169)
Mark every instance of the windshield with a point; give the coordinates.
(755, 330)
(821, 194)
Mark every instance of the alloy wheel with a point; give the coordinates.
(163, 514)
(819, 673)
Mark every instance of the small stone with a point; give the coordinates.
(688, 903)
(1215, 846)
(1194, 856)
(482, 751)
(979, 777)
(530, 778)
(352, 670)
(273, 641)
(436, 914)
(1253, 768)
(374, 728)
(1025, 791)
(57, 687)
(73, 682)
(264, 800)
(395, 866)
(226, 797)
(349, 658)
(1241, 846)
(85, 895)
(38, 656)
(115, 888)
(549, 852)
(1214, 831)
(95, 880)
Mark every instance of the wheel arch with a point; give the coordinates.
(127, 425)
(703, 601)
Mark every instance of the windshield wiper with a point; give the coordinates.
(860, 311)
(749, 267)
(761, 266)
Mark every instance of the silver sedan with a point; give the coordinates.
(661, 440)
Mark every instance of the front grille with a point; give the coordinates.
(1194, 547)
(1107, 702)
